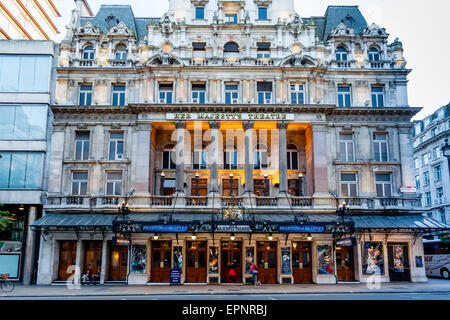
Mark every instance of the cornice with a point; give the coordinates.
(432, 140)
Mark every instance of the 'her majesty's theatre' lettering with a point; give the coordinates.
(229, 116)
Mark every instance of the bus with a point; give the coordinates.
(437, 258)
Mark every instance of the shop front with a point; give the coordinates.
(148, 249)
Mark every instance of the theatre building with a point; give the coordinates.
(226, 132)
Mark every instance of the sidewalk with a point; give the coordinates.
(432, 286)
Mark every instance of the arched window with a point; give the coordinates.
(374, 54)
(231, 47)
(168, 157)
(88, 52)
(341, 54)
(292, 157)
(121, 52)
(199, 158)
(260, 157)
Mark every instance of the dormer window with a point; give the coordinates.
(341, 54)
(262, 13)
(121, 52)
(88, 52)
(200, 13)
(374, 54)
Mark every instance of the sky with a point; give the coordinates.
(422, 26)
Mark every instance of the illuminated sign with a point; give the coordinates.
(164, 228)
(301, 228)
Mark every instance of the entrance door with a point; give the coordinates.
(196, 261)
(266, 252)
(344, 263)
(398, 259)
(67, 257)
(93, 257)
(301, 262)
(231, 259)
(161, 261)
(118, 263)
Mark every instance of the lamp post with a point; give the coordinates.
(300, 181)
(231, 185)
(161, 188)
(266, 185)
(446, 152)
(196, 184)
(123, 209)
(343, 210)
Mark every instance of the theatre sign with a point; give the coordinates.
(230, 116)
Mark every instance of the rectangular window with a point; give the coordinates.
(439, 194)
(426, 178)
(199, 46)
(168, 157)
(85, 95)
(417, 181)
(263, 50)
(262, 13)
(260, 159)
(344, 94)
(113, 183)
(118, 95)
(297, 94)
(198, 93)
(424, 158)
(436, 152)
(230, 18)
(82, 146)
(428, 198)
(380, 147)
(227, 187)
(416, 163)
(383, 184)
(349, 185)
(199, 159)
(23, 122)
(24, 73)
(443, 219)
(437, 173)
(377, 93)
(292, 159)
(165, 93)
(229, 160)
(231, 93)
(116, 146)
(346, 146)
(79, 183)
(264, 92)
(200, 13)
(21, 170)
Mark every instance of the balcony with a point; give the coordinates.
(196, 201)
(85, 62)
(301, 201)
(161, 201)
(266, 201)
(231, 201)
(120, 63)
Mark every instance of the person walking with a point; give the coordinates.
(254, 270)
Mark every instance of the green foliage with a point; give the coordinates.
(4, 218)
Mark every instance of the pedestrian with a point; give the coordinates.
(254, 270)
(232, 273)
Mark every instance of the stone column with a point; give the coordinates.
(406, 157)
(179, 158)
(214, 169)
(103, 268)
(282, 157)
(248, 127)
(143, 158)
(28, 267)
(78, 262)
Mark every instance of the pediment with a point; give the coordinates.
(375, 31)
(342, 30)
(89, 28)
(120, 29)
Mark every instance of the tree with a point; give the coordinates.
(5, 218)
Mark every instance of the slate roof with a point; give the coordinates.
(336, 14)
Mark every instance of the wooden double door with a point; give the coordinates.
(93, 257)
(345, 264)
(67, 257)
(301, 262)
(161, 261)
(231, 258)
(196, 268)
(266, 254)
(118, 263)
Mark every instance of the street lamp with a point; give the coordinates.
(270, 237)
(123, 209)
(196, 184)
(232, 237)
(446, 152)
(343, 210)
(194, 236)
(163, 176)
(300, 181)
(309, 237)
(266, 185)
(231, 185)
